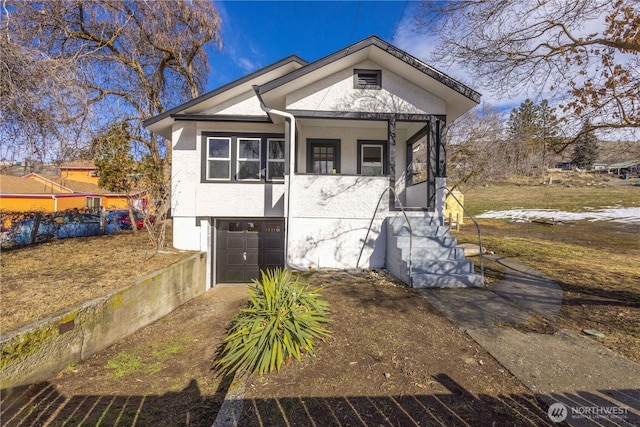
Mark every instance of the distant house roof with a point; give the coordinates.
(79, 164)
(10, 184)
(627, 164)
(41, 184)
(86, 187)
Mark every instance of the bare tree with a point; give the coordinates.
(476, 147)
(40, 100)
(131, 61)
(586, 51)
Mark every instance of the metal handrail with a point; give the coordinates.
(395, 195)
(474, 222)
(410, 232)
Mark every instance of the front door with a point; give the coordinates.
(247, 246)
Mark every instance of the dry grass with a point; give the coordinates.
(559, 195)
(43, 279)
(596, 263)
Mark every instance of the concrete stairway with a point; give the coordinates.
(437, 262)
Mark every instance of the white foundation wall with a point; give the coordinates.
(337, 221)
(336, 243)
(188, 234)
(336, 93)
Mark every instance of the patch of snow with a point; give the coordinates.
(624, 215)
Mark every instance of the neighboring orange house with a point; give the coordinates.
(82, 171)
(77, 187)
(23, 194)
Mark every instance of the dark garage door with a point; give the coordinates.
(247, 246)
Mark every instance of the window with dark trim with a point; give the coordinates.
(219, 158)
(275, 159)
(323, 156)
(248, 159)
(367, 79)
(372, 158)
(242, 157)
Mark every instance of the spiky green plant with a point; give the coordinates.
(281, 320)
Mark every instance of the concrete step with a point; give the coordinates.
(421, 230)
(441, 267)
(426, 242)
(399, 220)
(433, 252)
(446, 281)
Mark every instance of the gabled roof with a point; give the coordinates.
(458, 97)
(277, 80)
(392, 50)
(286, 65)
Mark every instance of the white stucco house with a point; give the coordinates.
(320, 165)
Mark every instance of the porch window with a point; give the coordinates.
(218, 158)
(372, 157)
(248, 159)
(275, 159)
(419, 159)
(323, 156)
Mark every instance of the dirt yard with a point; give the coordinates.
(43, 279)
(392, 359)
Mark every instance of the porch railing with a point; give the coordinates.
(395, 195)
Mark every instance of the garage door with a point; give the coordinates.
(247, 246)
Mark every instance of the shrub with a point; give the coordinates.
(282, 318)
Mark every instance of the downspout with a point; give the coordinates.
(292, 153)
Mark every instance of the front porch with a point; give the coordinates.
(407, 149)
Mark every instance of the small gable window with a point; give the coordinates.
(367, 79)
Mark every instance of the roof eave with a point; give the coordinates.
(178, 109)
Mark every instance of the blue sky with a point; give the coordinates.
(258, 33)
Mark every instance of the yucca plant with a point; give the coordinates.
(281, 320)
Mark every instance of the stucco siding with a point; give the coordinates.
(239, 200)
(336, 196)
(336, 93)
(187, 234)
(246, 104)
(194, 198)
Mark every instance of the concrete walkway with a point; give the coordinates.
(513, 321)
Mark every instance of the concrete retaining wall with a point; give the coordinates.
(38, 351)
